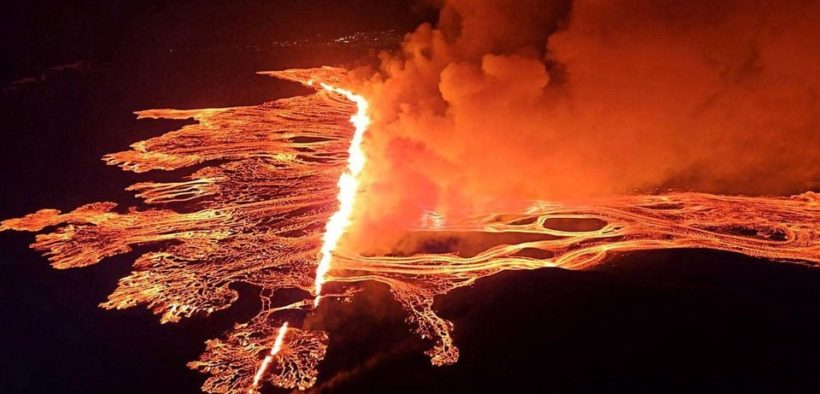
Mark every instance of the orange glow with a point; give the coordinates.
(277, 190)
(348, 185)
(277, 345)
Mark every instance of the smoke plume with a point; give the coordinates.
(528, 99)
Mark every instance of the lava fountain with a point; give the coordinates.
(274, 194)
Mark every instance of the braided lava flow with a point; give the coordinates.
(274, 194)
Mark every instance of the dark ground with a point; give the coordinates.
(671, 321)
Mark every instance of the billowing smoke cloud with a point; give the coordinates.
(528, 99)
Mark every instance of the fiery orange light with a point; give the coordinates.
(277, 346)
(348, 186)
(283, 194)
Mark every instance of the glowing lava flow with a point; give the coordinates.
(348, 185)
(277, 346)
(338, 222)
(276, 189)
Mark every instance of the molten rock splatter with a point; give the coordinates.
(288, 179)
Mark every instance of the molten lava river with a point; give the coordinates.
(276, 194)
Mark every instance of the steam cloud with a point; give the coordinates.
(528, 99)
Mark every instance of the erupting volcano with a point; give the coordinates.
(273, 212)
(505, 136)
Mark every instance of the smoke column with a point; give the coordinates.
(512, 100)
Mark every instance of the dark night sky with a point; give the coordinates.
(671, 321)
(40, 34)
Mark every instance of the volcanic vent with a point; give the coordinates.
(276, 195)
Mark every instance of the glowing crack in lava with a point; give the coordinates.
(277, 346)
(275, 192)
(348, 185)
